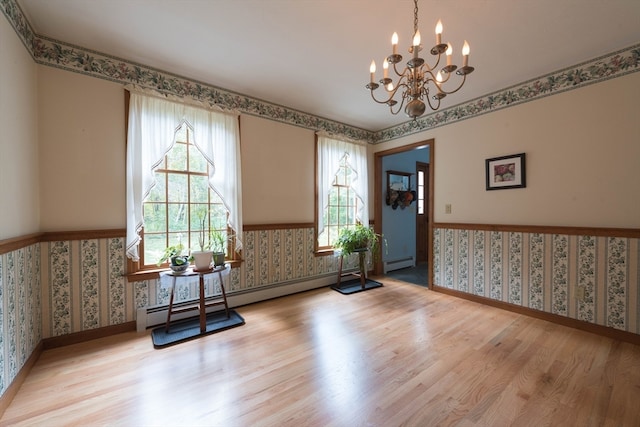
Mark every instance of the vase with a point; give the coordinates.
(202, 259)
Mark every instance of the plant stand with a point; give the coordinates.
(202, 303)
(362, 273)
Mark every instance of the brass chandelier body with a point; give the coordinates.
(418, 78)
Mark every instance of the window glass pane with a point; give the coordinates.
(333, 215)
(197, 162)
(333, 232)
(420, 207)
(218, 216)
(177, 188)
(342, 196)
(194, 240)
(178, 217)
(155, 217)
(158, 192)
(420, 178)
(181, 134)
(198, 213)
(199, 189)
(351, 216)
(154, 245)
(177, 157)
(176, 238)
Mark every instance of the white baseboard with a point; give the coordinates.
(398, 264)
(147, 317)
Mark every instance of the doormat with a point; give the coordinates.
(187, 329)
(353, 286)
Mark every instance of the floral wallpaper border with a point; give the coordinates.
(69, 57)
(544, 271)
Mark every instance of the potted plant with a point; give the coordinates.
(219, 240)
(178, 260)
(202, 258)
(358, 239)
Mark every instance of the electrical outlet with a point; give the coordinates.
(447, 208)
(580, 293)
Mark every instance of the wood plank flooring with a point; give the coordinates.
(400, 355)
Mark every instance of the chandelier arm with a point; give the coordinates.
(391, 94)
(435, 66)
(379, 102)
(395, 69)
(401, 103)
(464, 78)
(434, 106)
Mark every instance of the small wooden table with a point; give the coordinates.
(202, 302)
(362, 273)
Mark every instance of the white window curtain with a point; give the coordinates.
(330, 153)
(153, 122)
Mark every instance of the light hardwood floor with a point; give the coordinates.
(400, 355)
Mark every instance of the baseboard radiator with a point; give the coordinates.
(398, 264)
(147, 317)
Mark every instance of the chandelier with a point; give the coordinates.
(418, 78)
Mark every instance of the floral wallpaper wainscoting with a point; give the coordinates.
(20, 310)
(595, 279)
(86, 288)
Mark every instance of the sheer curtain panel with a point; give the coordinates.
(153, 122)
(330, 153)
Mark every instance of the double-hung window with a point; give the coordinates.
(181, 205)
(183, 167)
(342, 182)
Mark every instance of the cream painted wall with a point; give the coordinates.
(20, 211)
(277, 172)
(583, 160)
(82, 151)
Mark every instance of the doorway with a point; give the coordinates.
(426, 232)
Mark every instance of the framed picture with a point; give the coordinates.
(398, 181)
(506, 172)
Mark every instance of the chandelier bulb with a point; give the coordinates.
(416, 38)
(372, 70)
(465, 54)
(394, 43)
(439, 32)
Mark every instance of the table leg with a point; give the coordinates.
(363, 270)
(203, 308)
(339, 270)
(224, 294)
(173, 288)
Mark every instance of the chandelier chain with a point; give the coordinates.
(415, 17)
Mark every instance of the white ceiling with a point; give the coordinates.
(314, 55)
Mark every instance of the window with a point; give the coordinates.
(420, 192)
(181, 202)
(342, 206)
(342, 196)
(172, 178)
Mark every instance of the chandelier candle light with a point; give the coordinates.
(418, 78)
